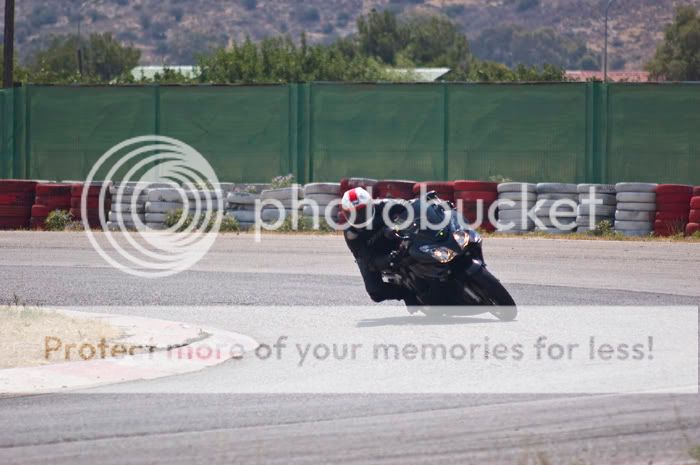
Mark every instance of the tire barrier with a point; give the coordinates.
(474, 199)
(287, 196)
(92, 204)
(49, 197)
(122, 211)
(597, 203)
(693, 225)
(350, 183)
(672, 209)
(240, 205)
(636, 206)
(556, 207)
(327, 196)
(513, 199)
(393, 189)
(444, 190)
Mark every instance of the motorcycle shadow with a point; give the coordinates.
(422, 320)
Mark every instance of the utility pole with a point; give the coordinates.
(605, 51)
(9, 50)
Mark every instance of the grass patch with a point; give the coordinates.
(695, 453)
(58, 220)
(25, 328)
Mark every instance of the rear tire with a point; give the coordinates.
(491, 292)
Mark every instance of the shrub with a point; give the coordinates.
(604, 228)
(229, 224)
(58, 220)
(283, 181)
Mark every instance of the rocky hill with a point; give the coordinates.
(173, 31)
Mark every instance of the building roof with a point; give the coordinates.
(614, 76)
(421, 74)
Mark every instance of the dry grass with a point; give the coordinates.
(24, 331)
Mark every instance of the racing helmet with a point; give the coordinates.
(358, 207)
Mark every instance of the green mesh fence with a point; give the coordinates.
(570, 132)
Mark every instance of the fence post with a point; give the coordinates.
(300, 132)
(603, 131)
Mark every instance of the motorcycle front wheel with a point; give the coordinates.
(483, 288)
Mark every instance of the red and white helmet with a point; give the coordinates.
(358, 207)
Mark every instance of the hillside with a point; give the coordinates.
(172, 31)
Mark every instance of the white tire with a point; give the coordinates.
(308, 211)
(242, 198)
(155, 217)
(510, 215)
(556, 188)
(518, 196)
(633, 225)
(573, 197)
(600, 210)
(324, 188)
(516, 187)
(623, 215)
(163, 207)
(502, 206)
(243, 216)
(163, 194)
(285, 193)
(635, 187)
(597, 188)
(643, 197)
(273, 214)
(566, 223)
(636, 207)
(636, 233)
(157, 226)
(321, 199)
(127, 198)
(603, 199)
(126, 208)
(125, 217)
(586, 220)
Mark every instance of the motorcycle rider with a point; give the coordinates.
(373, 248)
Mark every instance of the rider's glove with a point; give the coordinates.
(393, 257)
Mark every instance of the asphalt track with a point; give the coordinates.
(133, 426)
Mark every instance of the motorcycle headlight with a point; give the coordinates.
(441, 254)
(461, 237)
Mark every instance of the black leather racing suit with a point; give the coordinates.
(372, 250)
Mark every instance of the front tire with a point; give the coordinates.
(488, 290)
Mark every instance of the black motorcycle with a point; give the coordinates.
(444, 267)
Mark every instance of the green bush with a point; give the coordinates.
(282, 181)
(604, 228)
(58, 220)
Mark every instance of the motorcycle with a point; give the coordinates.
(444, 269)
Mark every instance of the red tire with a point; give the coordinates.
(678, 207)
(471, 186)
(350, 183)
(696, 191)
(40, 211)
(394, 189)
(695, 203)
(694, 216)
(76, 189)
(473, 196)
(53, 202)
(438, 186)
(669, 228)
(55, 189)
(17, 186)
(8, 211)
(681, 189)
(14, 223)
(93, 203)
(673, 198)
(692, 228)
(671, 216)
(26, 199)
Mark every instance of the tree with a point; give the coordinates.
(104, 58)
(379, 36)
(678, 56)
(435, 41)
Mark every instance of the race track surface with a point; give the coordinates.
(136, 423)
